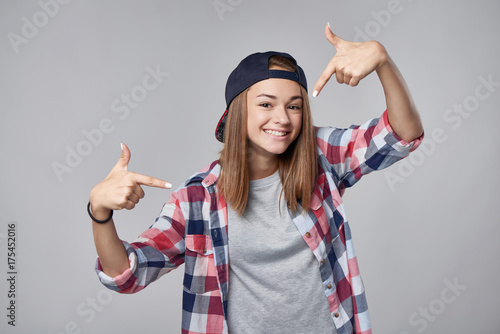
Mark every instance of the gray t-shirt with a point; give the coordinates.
(274, 279)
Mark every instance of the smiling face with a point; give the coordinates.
(274, 108)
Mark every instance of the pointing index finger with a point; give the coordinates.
(152, 181)
(325, 77)
(337, 42)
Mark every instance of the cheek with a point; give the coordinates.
(251, 124)
(253, 128)
(297, 121)
(297, 125)
(254, 121)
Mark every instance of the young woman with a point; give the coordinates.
(262, 231)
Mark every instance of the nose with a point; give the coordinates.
(280, 116)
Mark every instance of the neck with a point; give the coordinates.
(260, 167)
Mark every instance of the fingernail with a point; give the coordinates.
(121, 146)
(328, 24)
(315, 93)
(168, 185)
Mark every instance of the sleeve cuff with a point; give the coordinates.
(412, 145)
(114, 282)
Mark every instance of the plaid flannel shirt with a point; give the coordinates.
(192, 228)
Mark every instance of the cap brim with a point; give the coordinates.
(219, 130)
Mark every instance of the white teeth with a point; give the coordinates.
(275, 133)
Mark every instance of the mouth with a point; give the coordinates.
(276, 133)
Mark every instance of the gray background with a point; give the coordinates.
(418, 227)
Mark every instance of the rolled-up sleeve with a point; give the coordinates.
(361, 149)
(116, 283)
(157, 251)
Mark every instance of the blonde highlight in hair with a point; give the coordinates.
(297, 165)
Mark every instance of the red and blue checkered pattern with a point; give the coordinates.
(193, 228)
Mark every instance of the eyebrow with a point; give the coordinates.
(293, 98)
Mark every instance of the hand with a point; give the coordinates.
(121, 189)
(352, 62)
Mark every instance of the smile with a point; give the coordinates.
(276, 133)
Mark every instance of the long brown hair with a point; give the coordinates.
(297, 165)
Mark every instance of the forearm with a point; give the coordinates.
(121, 189)
(402, 112)
(112, 254)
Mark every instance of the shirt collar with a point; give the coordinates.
(212, 176)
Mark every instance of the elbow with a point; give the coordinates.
(412, 134)
(408, 129)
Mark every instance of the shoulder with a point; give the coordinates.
(198, 187)
(206, 176)
(327, 136)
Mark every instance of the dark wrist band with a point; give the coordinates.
(97, 220)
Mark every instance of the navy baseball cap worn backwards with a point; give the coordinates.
(251, 70)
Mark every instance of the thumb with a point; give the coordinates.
(124, 158)
(331, 37)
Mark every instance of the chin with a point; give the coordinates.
(278, 150)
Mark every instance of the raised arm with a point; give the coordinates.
(354, 61)
(121, 189)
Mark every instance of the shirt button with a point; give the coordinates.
(336, 315)
(308, 234)
(322, 261)
(329, 286)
